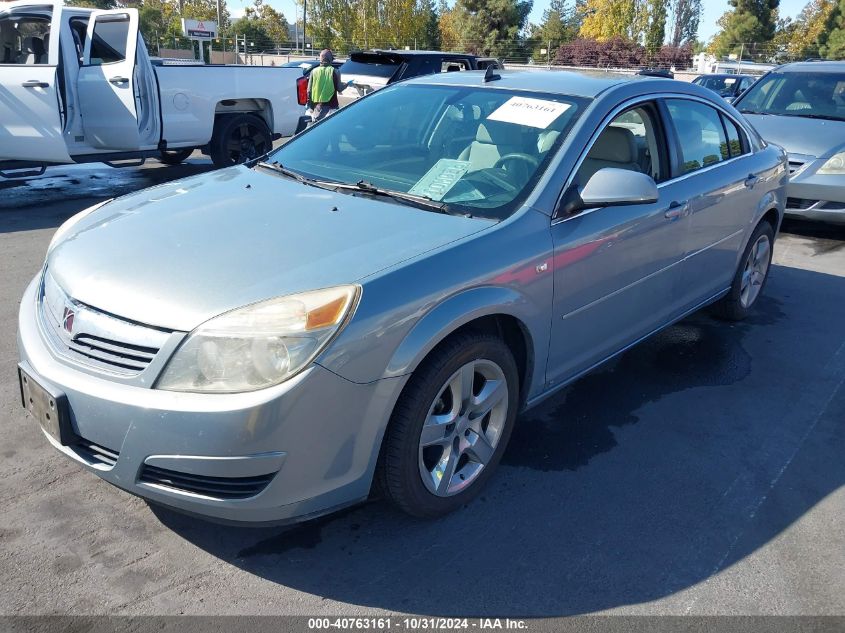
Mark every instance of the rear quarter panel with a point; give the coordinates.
(190, 94)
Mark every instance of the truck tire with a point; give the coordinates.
(175, 156)
(238, 138)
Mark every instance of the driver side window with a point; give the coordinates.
(630, 141)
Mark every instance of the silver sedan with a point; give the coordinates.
(374, 302)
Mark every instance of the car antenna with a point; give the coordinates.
(491, 75)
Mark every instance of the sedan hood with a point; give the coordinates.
(799, 135)
(179, 254)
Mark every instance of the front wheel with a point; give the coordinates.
(750, 277)
(239, 138)
(450, 426)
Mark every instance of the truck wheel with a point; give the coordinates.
(239, 138)
(450, 426)
(175, 156)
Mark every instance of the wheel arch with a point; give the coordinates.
(249, 105)
(500, 311)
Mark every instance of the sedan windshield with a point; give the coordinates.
(473, 150)
(722, 85)
(804, 94)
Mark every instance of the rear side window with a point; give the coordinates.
(736, 145)
(108, 44)
(701, 137)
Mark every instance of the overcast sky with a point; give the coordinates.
(713, 9)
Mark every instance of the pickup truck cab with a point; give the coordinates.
(79, 86)
(371, 70)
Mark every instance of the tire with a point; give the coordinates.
(175, 156)
(407, 471)
(741, 298)
(239, 138)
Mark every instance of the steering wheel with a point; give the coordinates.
(528, 158)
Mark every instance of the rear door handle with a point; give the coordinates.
(34, 83)
(751, 181)
(676, 210)
(118, 81)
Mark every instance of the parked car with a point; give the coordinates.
(84, 89)
(307, 65)
(801, 107)
(657, 72)
(387, 297)
(727, 86)
(375, 69)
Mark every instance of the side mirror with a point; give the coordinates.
(611, 187)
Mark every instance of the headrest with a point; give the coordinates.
(615, 144)
(46, 39)
(33, 45)
(546, 139)
(498, 133)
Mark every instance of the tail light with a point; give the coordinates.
(302, 90)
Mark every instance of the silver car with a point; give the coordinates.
(801, 107)
(375, 301)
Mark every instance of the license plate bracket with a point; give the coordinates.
(48, 406)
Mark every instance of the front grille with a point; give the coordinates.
(217, 487)
(94, 338)
(95, 454)
(800, 203)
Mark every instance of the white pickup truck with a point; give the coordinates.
(77, 85)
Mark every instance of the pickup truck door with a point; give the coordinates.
(106, 83)
(31, 124)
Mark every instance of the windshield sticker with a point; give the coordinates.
(440, 178)
(526, 111)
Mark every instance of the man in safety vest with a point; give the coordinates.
(323, 85)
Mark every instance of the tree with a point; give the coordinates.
(749, 26)
(656, 31)
(490, 27)
(608, 19)
(450, 39)
(686, 14)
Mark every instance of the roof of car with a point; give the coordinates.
(718, 75)
(580, 84)
(417, 53)
(814, 67)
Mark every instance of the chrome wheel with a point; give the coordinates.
(754, 273)
(463, 427)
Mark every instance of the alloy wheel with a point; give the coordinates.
(754, 273)
(463, 427)
(247, 142)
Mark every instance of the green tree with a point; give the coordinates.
(748, 27)
(656, 31)
(490, 27)
(686, 15)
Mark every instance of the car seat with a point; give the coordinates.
(493, 140)
(615, 147)
(33, 51)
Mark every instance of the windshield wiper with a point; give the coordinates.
(281, 169)
(365, 187)
(754, 112)
(809, 115)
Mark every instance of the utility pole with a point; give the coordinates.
(219, 23)
(304, 17)
(549, 54)
(741, 50)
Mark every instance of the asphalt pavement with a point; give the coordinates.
(700, 473)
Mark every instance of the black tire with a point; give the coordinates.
(398, 472)
(175, 156)
(731, 306)
(238, 138)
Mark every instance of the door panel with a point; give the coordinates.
(617, 271)
(31, 125)
(106, 84)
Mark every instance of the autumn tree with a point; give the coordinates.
(608, 19)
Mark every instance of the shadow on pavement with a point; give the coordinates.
(651, 475)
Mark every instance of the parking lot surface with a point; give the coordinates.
(700, 473)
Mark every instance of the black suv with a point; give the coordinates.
(371, 70)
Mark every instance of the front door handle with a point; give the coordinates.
(751, 181)
(118, 81)
(675, 211)
(34, 83)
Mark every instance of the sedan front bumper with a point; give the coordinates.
(292, 451)
(814, 196)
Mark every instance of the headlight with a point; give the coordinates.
(260, 345)
(833, 165)
(71, 221)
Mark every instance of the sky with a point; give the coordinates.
(713, 9)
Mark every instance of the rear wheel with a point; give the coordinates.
(450, 426)
(750, 277)
(239, 138)
(175, 156)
